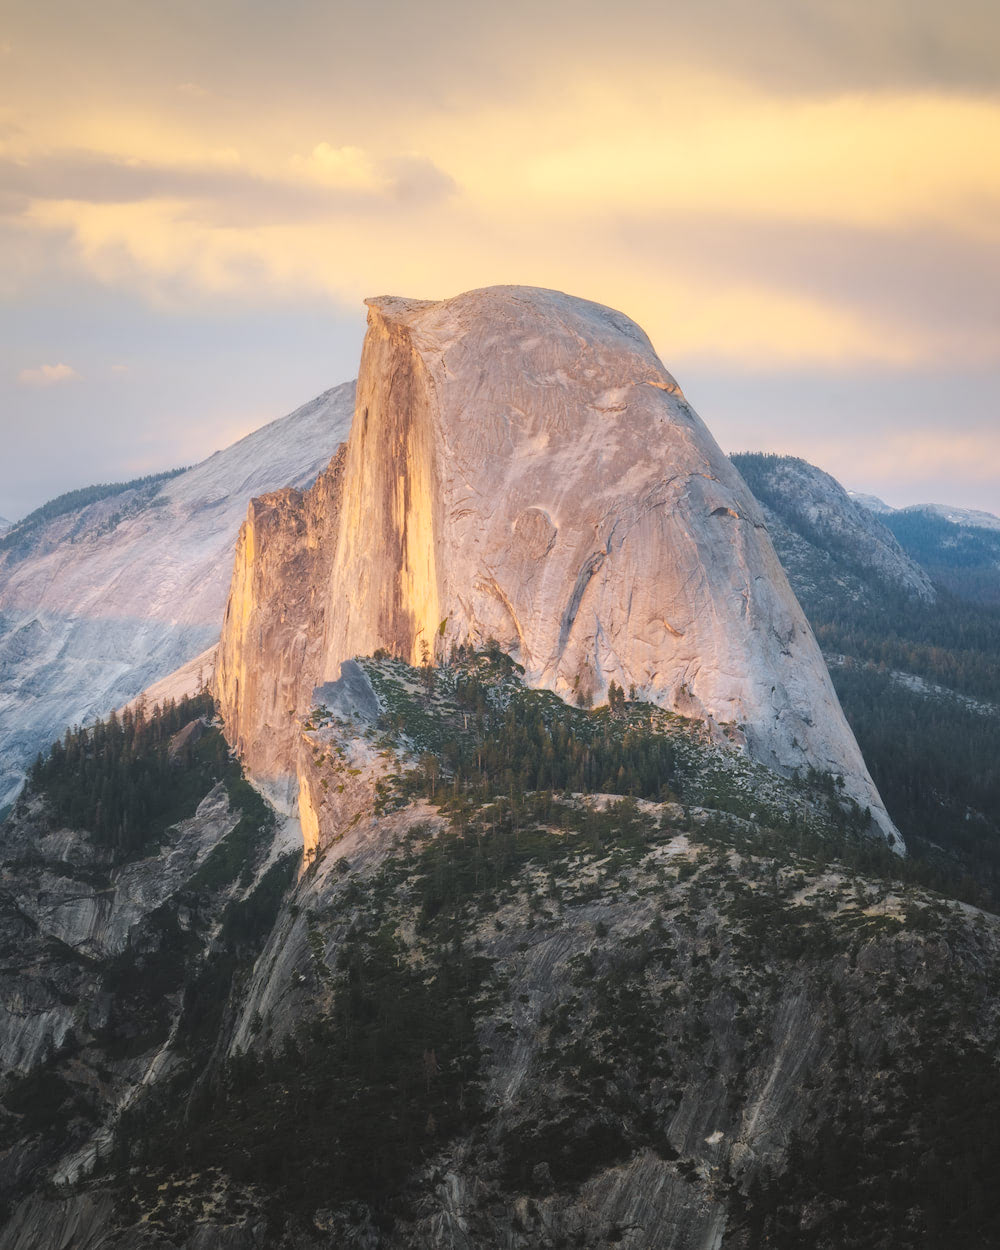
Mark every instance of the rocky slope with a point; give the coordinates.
(498, 1012)
(522, 467)
(827, 540)
(871, 502)
(4, 525)
(99, 602)
(98, 946)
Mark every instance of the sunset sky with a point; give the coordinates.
(799, 201)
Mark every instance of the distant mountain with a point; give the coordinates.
(965, 559)
(958, 547)
(958, 516)
(970, 517)
(918, 677)
(112, 588)
(830, 545)
(4, 525)
(871, 502)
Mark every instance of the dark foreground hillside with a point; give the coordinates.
(570, 978)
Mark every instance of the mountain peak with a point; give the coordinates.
(810, 516)
(512, 306)
(971, 518)
(521, 467)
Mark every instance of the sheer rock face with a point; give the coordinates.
(100, 602)
(273, 629)
(522, 467)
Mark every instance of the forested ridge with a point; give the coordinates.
(123, 779)
(19, 536)
(965, 559)
(410, 974)
(934, 756)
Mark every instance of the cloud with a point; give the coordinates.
(735, 224)
(218, 186)
(339, 167)
(701, 146)
(47, 375)
(823, 214)
(786, 191)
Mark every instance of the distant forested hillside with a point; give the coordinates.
(21, 534)
(919, 681)
(963, 558)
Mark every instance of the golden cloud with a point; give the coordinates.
(47, 375)
(548, 189)
(338, 167)
(874, 161)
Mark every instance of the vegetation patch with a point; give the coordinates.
(20, 536)
(119, 779)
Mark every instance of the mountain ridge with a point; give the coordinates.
(973, 518)
(487, 1018)
(110, 598)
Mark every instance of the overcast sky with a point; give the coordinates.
(799, 200)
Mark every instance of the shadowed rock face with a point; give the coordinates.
(824, 536)
(522, 467)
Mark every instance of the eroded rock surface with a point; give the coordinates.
(273, 629)
(522, 467)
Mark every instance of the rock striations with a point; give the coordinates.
(522, 467)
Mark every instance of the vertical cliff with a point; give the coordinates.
(385, 589)
(99, 601)
(522, 467)
(272, 636)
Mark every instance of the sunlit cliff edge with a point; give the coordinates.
(104, 599)
(522, 467)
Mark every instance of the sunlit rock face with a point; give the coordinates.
(106, 599)
(522, 467)
(272, 637)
